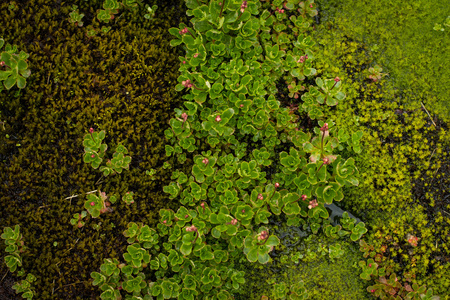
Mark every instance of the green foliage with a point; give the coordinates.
(75, 17)
(14, 66)
(94, 152)
(151, 10)
(24, 286)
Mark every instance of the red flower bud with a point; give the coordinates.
(324, 127)
(91, 130)
(92, 155)
(205, 161)
(92, 203)
(337, 79)
(311, 5)
(234, 222)
(277, 185)
(260, 197)
(164, 221)
(372, 291)
(184, 61)
(304, 197)
(218, 119)
(370, 265)
(195, 55)
(202, 204)
(242, 105)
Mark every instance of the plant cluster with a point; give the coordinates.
(13, 66)
(94, 154)
(13, 238)
(236, 53)
(387, 285)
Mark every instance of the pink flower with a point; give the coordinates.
(183, 31)
(91, 130)
(186, 216)
(242, 105)
(304, 197)
(337, 79)
(263, 235)
(202, 204)
(372, 291)
(277, 185)
(311, 5)
(370, 265)
(2, 63)
(326, 160)
(195, 55)
(164, 221)
(312, 204)
(260, 197)
(184, 61)
(93, 155)
(184, 116)
(218, 119)
(324, 127)
(205, 161)
(243, 6)
(234, 222)
(92, 203)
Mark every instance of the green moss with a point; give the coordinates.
(401, 39)
(324, 278)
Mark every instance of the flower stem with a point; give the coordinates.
(221, 9)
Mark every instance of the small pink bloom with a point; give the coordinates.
(337, 79)
(92, 155)
(218, 119)
(326, 160)
(243, 211)
(164, 221)
(304, 197)
(324, 127)
(263, 235)
(2, 63)
(260, 197)
(202, 204)
(92, 203)
(184, 61)
(184, 116)
(195, 55)
(91, 130)
(311, 5)
(234, 222)
(205, 161)
(372, 291)
(186, 216)
(277, 185)
(242, 105)
(370, 265)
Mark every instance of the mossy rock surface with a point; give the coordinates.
(404, 165)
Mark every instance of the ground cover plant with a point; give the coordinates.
(233, 197)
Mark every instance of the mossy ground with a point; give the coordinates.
(122, 82)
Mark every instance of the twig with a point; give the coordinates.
(431, 155)
(4, 275)
(428, 114)
(446, 212)
(43, 206)
(74, 196)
